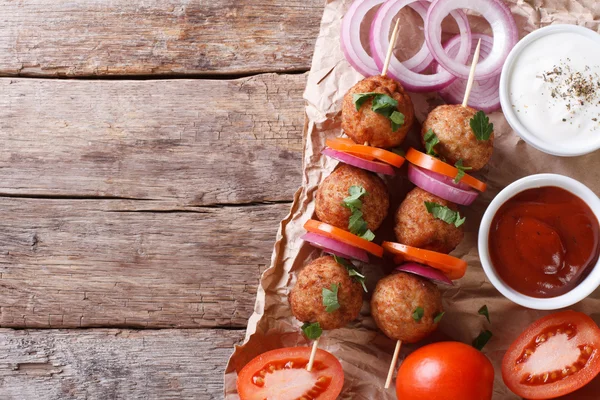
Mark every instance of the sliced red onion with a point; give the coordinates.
(373, 166)
(485, 94)
(357, 55)
(504, 30)
(335, 247)
(413, 81)
(456, 193)
(432, 274)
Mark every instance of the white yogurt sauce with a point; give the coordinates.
(554, 89)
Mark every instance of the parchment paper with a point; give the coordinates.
(364, 352)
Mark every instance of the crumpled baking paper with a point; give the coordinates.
(365, 353)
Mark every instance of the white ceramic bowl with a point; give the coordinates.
(581, 291)
(574, 149)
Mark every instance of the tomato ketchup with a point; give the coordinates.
(544, 241)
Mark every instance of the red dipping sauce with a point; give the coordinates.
(544, 241)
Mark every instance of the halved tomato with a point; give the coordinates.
(281, 374)
(452, 267)
(556, 355)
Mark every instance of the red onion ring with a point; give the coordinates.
(335, 247)
(357, 55)
(413, 81)
(373, 166)
(425, 271)
(442, 188)
(504, 30)
(485, 94)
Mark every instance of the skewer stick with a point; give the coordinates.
(388, 56)
(388, 381)
(313, 352)
(471, 74)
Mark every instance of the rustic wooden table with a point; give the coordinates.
(149, 149)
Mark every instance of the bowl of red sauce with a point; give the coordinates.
(539, 241)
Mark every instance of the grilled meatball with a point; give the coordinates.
(416, 227)
(306, 297)
(365, 125)
(329, 204)
(451, 124)
(395, 300)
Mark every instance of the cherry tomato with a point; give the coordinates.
(281, 374)
(445, 371)
(556, 355)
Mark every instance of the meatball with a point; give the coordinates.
(306, 297)
(416, 227)
(395, 301)
(329, 203)
(365, 125)
(451, 124)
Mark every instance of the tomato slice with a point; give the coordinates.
(281, 374)
(366, 152)
(452, 267)
(556, 355)
(433, 164)
(343, 236)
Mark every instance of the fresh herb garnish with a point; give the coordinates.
(481, 127)
(484, 311)
(330, 298)
(356, 224)
(481, 340)
(438, 317)
(312, 331)
(444, 213)
(418, 313)
(461, 170)
(431, 140)
(382, 104)
(360, 278)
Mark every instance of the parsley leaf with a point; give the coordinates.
(330, 298)
(312, 331)
(368, 235)
(352, 272)
(484, 311)
(418, 314)
(461, 170)
(481, 127)
(481, 340)
(444, 213)
(431, 140)
(382, 104)
(438, 317)
(353, 201)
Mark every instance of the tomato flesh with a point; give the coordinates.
(555, 356)
(281, 374)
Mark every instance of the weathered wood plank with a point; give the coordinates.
(108, 364)
(157, 37)
(192, 142)
(126, 263)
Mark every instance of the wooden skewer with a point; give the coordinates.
(313, 352)
(388, 381)
(388, 57)
(471, 74)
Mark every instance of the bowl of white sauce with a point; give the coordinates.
(550, 90)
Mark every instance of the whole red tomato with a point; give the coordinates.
(445, 371)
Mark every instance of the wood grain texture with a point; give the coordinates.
(156, 37)
(118, 263)
(109, 364)
(189, 142)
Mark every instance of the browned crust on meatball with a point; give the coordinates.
(416, 227)
(451, 124)
(394, 301)
(333, 190)
(365, 125)
(306, 297)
